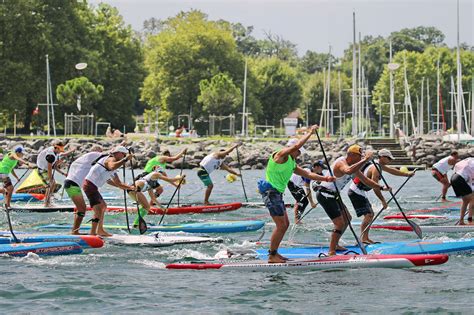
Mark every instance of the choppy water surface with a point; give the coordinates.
(119, 279)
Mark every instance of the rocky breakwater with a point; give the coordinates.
(254, 153)
(429, 150)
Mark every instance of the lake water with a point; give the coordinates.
(119, 279)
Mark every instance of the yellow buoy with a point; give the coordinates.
(231, 178)
(404, 169)
(183, 182)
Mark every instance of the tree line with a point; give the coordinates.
(189, 64)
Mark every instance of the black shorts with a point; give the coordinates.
(329, 204)
(92, 193)
(273, 200)
(300, 196)
(360, 203)
(460, 187)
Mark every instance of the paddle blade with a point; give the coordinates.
(415, 228)
(142, 227)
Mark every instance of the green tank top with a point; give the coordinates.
(278, 175)
(151, 164)
(7, 164)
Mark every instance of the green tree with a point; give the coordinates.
(280, 91)
(416, 39)
(219, 95)
(189, 49)
(69, 92)
(313, 62)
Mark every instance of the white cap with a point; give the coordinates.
(387, 153)
(120, 149)
(293, 142)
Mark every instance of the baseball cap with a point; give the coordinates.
(319, 163)
(355, 148)
(18, 149)
(387, 153)
(120, 149)
(293, 142)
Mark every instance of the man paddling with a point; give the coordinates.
(104, 171)
(211, 163)
(300, 189)
(280, 168)
(463, 182)
(358, 190)
(158, 163)
(440, 172)
(7, 166)
(344, 168)
(146, 184)
(73, 183)
(47, 161)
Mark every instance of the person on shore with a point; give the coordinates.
(440, 172)
(463, 186)
(146, 184)
(104, 171)
(209, 164)
(158, 163)
(73, 183)
(281, 166)
(358, 190)
(344, 168)
(7, 166)
(48, 163)
(300, 189)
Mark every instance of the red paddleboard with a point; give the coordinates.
(334, 262)
(414, 216)
(186, 209)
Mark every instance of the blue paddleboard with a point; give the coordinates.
(85, 241)
(203, 227)
(390, 248)
(41, 249)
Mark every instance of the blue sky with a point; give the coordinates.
(314, 24)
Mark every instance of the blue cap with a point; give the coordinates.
(19, 149)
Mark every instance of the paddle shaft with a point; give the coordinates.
(125, 203)
(141, 222)
(171, 199)
(381, 210)
(181, 173)
(21, 177)
(414, 226)
(10, 225)
(339, 200)
(241, 177)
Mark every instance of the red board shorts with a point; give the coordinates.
(436, 174)
(92, 193)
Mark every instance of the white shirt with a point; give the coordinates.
(98, 174)
(341, 182)
(356, 189)
(443, 166)
(210, 163)
(465, 168)
(41, 159)
(81, 167)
